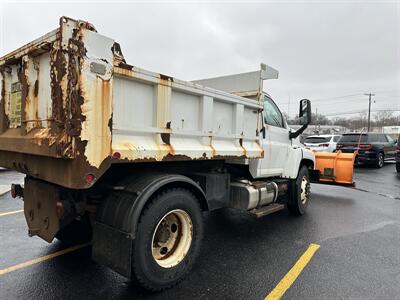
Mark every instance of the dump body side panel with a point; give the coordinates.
(157, 118)
(70, 106)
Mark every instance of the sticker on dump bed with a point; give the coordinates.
(15, 105)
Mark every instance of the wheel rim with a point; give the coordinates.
(172, 238)
(304, 190)
(380, 158)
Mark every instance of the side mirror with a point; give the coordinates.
(304, 118)
(305, 112)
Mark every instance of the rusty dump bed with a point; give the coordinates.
(70, 106)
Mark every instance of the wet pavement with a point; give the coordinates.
(358, 230)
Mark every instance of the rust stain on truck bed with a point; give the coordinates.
(4, 122)
(68, 82)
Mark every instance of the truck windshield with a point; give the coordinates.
(353, 138)
(317, 140)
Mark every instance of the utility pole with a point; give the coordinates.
(369, 109)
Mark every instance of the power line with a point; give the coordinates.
(360, 111)
(387, 91)
(337, 97)
(346, 96)
(355, 102)
(353, 95)
(322, 99)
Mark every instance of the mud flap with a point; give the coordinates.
(333, 168)
(112, 248)
(40, 200)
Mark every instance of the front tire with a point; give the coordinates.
(398, 167)
(300, 193)
(168, 239)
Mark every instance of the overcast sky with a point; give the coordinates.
(322, 49)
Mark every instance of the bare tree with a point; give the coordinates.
(383, 117)
(341, 121)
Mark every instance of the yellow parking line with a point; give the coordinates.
(294, 272)
(41, 259)
(11, 212)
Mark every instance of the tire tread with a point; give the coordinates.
(147, 209)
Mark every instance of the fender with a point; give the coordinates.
(297, 157)
(118, 217)
(308, 155)
(140, 189)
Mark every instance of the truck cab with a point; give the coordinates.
(286, 153)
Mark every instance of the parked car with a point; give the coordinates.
(373, 148)
(321, 143)
(398, 155)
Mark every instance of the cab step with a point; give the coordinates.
(266, 210)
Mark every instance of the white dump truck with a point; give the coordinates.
(130, 159)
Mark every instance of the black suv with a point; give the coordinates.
(373, 148)
(398, 155)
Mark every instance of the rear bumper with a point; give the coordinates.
(321, 149)
(363, 156)
(367, 157)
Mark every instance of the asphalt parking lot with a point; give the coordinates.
(357, 229)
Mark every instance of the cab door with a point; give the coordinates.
(275, 141)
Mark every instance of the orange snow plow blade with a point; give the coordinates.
(335, 168)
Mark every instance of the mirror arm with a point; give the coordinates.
(263, 131)
(293, 135)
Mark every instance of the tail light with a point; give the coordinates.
(398, 148)
(365, 147)
(116, 155)
(324, 145)
(338, 146)
(90, 178)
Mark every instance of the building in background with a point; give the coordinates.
(322, 129)
(393, 131)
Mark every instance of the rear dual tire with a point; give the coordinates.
(168, 239)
